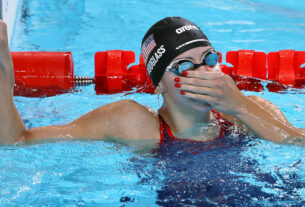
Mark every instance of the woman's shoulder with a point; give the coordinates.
(130, 106)
(133, 120)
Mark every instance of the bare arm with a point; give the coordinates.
(260, 116)
(11, 125)
(124, 119)
(267, 121)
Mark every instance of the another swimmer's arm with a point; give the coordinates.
(267, 121)
(11, 125)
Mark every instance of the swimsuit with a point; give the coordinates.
(167, 135)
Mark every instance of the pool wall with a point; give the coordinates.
(9, 11)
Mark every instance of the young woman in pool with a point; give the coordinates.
(200, 102)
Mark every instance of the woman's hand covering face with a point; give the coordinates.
(212, 86)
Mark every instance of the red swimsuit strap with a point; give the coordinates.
(223, 123)
(164, 128)
(161, 122)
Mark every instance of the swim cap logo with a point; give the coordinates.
(154, 59)
(186, 28)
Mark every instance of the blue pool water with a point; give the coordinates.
(237, 171)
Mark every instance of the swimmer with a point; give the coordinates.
(200, 102)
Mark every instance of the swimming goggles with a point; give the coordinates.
(209, 58)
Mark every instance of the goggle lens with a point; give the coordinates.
(212, 59)
(186, 65)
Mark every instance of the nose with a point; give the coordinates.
(203, 67)
(209, 68)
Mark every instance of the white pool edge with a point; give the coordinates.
(9, 13)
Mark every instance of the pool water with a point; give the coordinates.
(236, 171)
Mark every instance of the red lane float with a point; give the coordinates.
(51, 73)
(246, 63)
(112, 76)
(285, 67)
(282, 68)
(247, 66)
(42, 73)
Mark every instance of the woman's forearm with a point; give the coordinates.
(12, 128)
(265, 124)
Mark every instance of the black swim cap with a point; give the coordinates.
(167, 39)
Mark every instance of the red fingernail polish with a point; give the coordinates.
(177, 79)
(184, 72)
(182, 92)
(177, 85)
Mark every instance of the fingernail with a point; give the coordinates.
(177, 79)
(177, 85)
(182, 92)
(184, 72)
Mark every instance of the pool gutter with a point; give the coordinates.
(8, 9)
